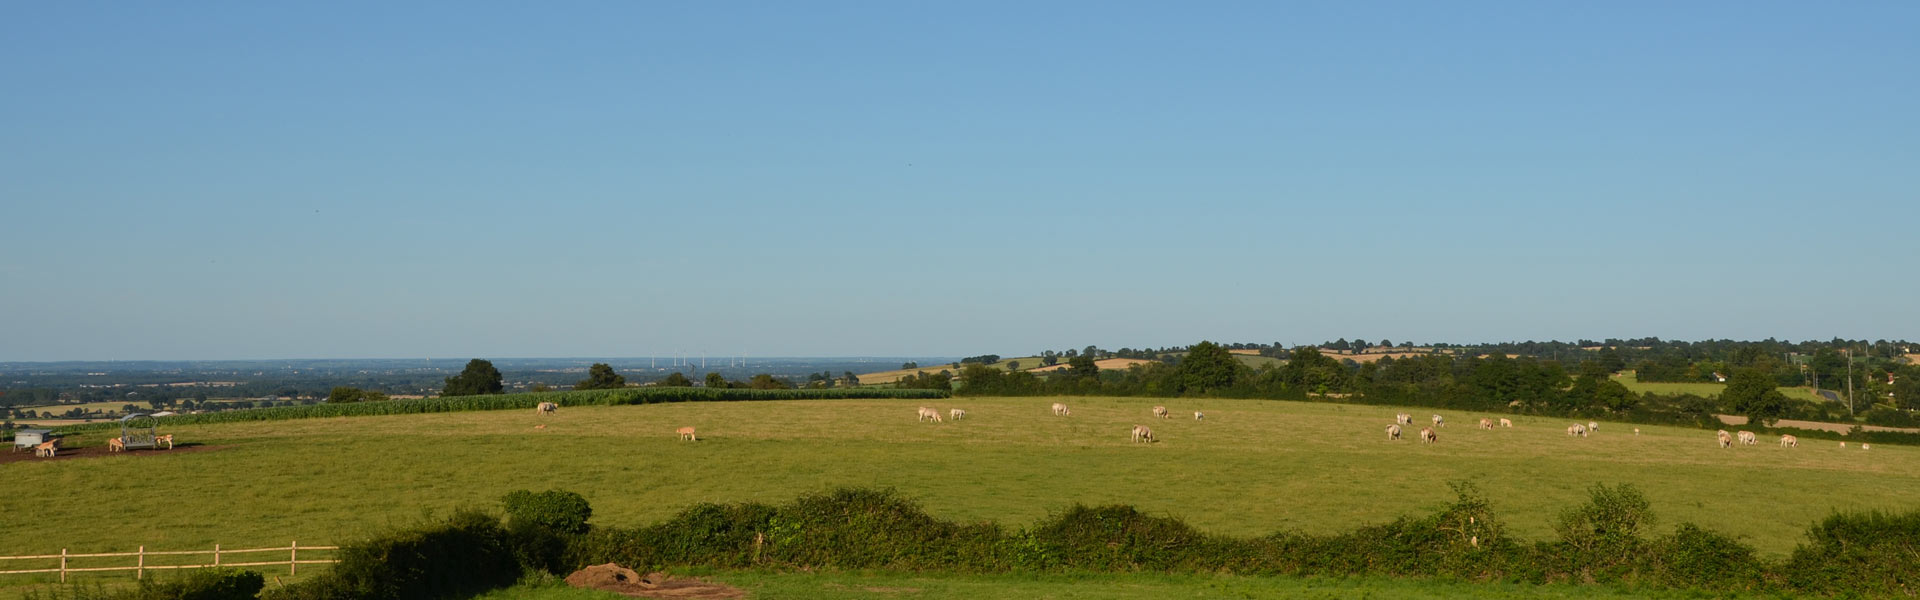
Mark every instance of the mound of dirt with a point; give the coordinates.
(626, 582)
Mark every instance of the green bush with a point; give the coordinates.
(1873, 553)
(1887, 416)
(467, 554)
(559, 510)
(1693, 557)
(1600, 540)
(204, 584)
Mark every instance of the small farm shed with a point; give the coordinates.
(28, 438)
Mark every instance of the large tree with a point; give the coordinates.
(600, 376)
(675, 379)
(479, 378)
(1207, 367)
(1751, 392)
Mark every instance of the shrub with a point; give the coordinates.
(559, 510)
(1600, 540)
(204, 584)
(1887, 416)
(1874, 553)
(462, 556)
(1696, 558)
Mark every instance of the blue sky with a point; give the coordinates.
(279, 180)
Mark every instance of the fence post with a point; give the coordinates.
(293, 558)
(63, 565)
(140, 570)
(216, 555)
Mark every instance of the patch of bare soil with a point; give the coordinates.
(26, 455)
(614, 578)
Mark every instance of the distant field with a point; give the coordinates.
(1105, 364)
(1026, 363)
(1704, 390)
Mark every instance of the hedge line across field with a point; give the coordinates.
(526, 401)
(1609, 539)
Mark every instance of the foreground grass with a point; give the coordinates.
(1132, 586)
(1252, 468)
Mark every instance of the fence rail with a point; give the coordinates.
(141, 567)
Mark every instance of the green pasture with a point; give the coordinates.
(1130, 586)
(1704, 390)
(1251, 468)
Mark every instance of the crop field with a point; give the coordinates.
(1704, 390)
(1251, 468)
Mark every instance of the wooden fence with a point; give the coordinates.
(141, 567)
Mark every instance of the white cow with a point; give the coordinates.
(1788, 441)
(1747, 438)
(1393, 432)
(1726, 439)
(1439, 421)
(1865, 446)
(957, 414)
(686, 433)
(929, 413)
(1577, 429)
(1142, 434)
(546, 408)
(1486, 423)
(1161, 411)
(1593, 425)
(1427, 435)
(1199, 416)
(1060, 410)
(1506, 422)
(1403, 419)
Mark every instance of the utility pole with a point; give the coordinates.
(1849, 382)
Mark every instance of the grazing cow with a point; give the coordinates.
(1439, 421)
(1788, 441)
(164, 439)
(1161, 411)
(1199, 416)
(47, 449)
(546, 408)
(957, 414)
(1726, 439)
(116, 445)
(1486, 423)
(1747, 438)
(686, 433)
(1060, 410)
(1593, 425)
(1577, 429)
(1403, 419)
(1142, 434)
(1506, 422)
(1636, 431)
(1864, 446)
(1393, 432)
(1843, 444)
(929, 413)
(1427, 435)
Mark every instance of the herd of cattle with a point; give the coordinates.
(1142, 433)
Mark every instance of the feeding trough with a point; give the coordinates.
(138, 431)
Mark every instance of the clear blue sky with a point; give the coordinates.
(189, 180)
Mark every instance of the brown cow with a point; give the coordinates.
(686, 433)
(1427, 435)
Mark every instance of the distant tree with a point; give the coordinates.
(343, 394)
(1013, 365)
(675, 379)
(541, 387)
(1751, 392)
(1386, 343)
(156, 403)
(1083, 367)
(1208, 366)
(477, 379)
(852, 379)
(1091, 350)
(766, 381)
(909, 365)
(600, 376)
(715, 380)
(923, 381)
(1358, 345)
(1610, 360)
(373, 396)
(1049, 358)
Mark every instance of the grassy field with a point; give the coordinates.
(1134, 586)
(1252, 468)
(1704, 390)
